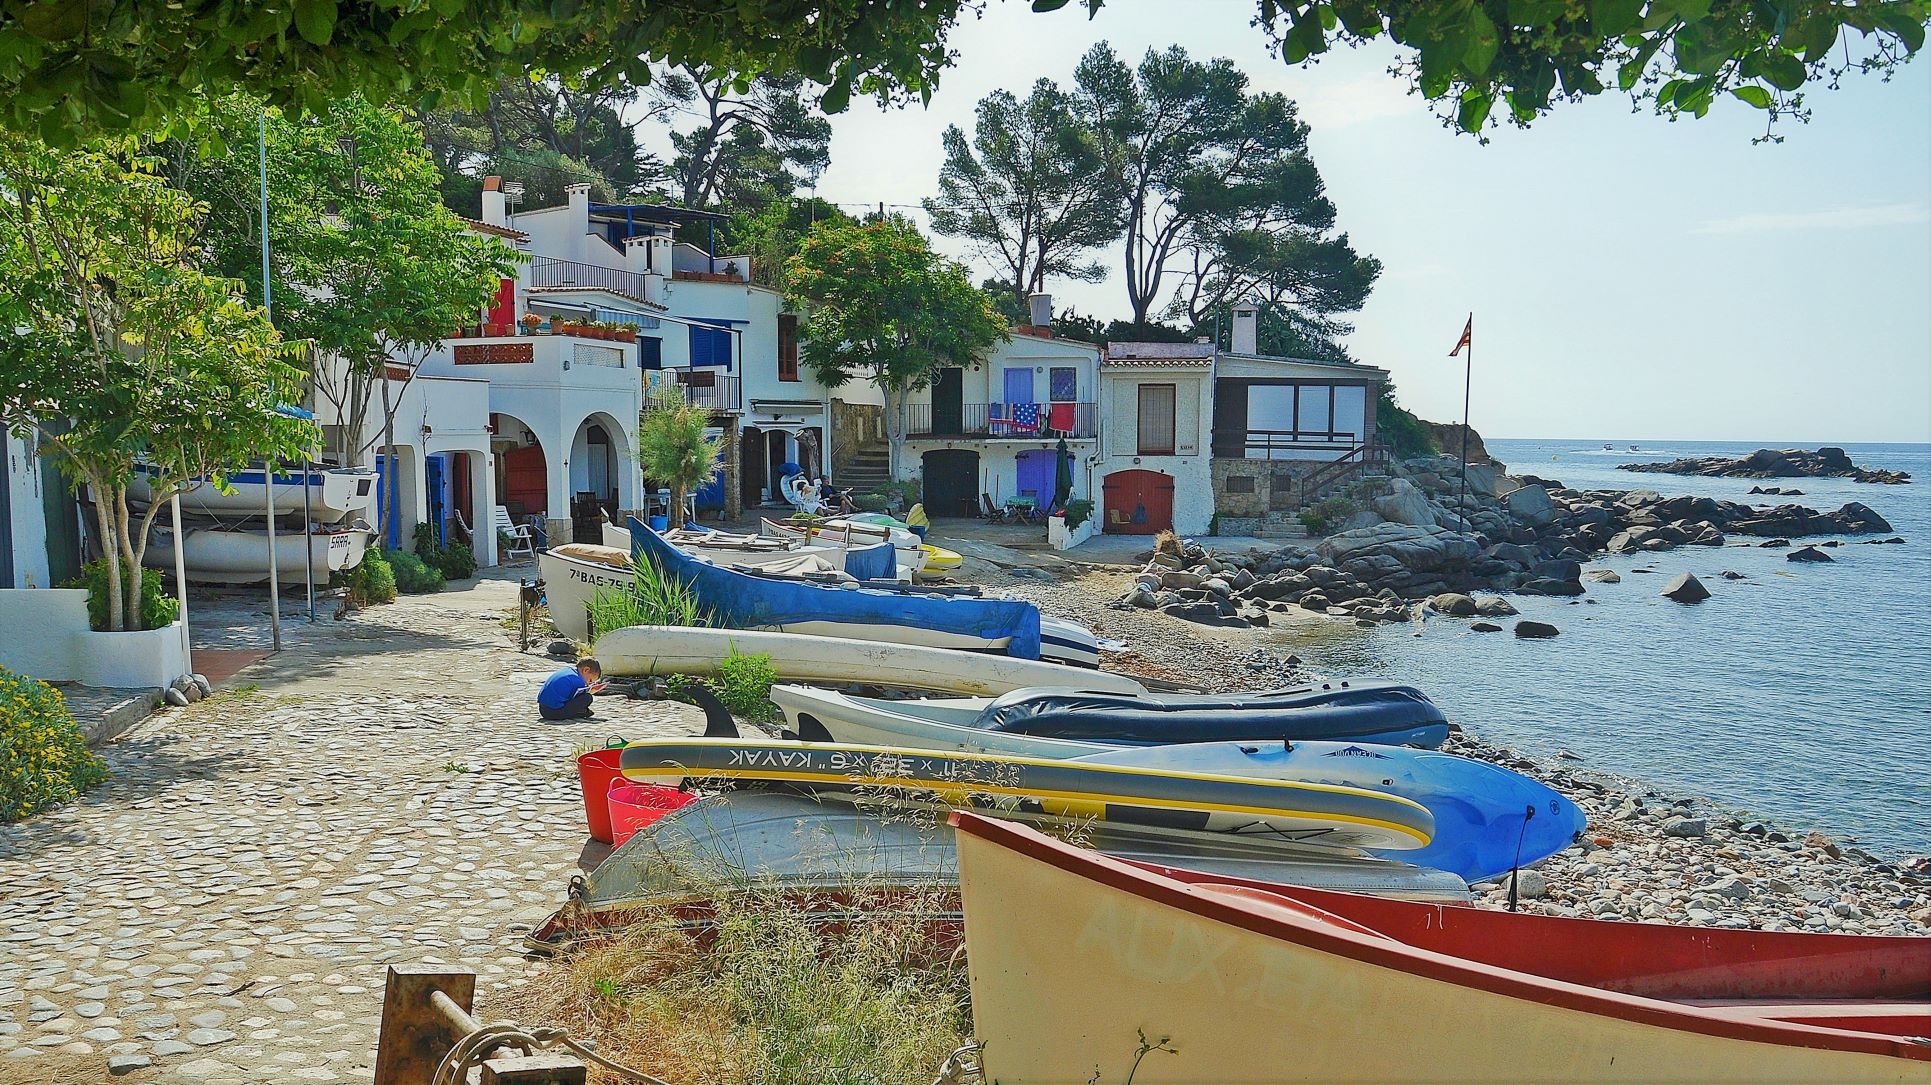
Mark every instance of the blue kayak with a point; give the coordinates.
(1378, 712)
(1488, 819)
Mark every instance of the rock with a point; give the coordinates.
(1686, 588)
(1453, 603)
(1774, 544)
(1204, 613)
(1484, 627)
(1531, 504)
(1733, 886)
(1405, 505)
(1494, 606)
(1808, 553)
(1603, 576)
(175, 697)
(1218, 586)
(1548, 586)
(1731, 574)
(1139, 597)
(1537, 630)
(1316, 602)
(1685, 826)
(1826, 462)
(201, 682)
(1531, 885)
(127, 1064)
(561, 649)
(1181, 578)
(1822, 843)
(192, 692)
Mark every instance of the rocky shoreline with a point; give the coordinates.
(1826, 462)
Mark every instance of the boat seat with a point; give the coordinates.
(1883, 1016)
(591, 552)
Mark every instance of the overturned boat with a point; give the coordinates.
(332, 494)
(222, 555)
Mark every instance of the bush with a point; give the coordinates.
(1078, 511)
(743, 685)
(158, 608)
(1404, 434)
(43, 758)
(651, 599)
(413, 575)
(373, 581)
(1321, 516)
(455, 562)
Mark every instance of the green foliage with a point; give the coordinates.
(1030, 190)
(742, 685)
(653, 598)
(673, 448)
(893, 497)
(455, 562)
(543, 134)
(1404, 434)
(1321, 516)
(771, 235)
(373, 581)
(413, 575)
(158, 608)
(44, 760)
(1078, 511)
(752, 142)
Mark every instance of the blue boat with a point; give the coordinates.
(739, 600)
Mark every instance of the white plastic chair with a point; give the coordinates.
(522, 540)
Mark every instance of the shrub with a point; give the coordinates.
(743, 685)
(1319, 517)
(43, 758)
(456, 562)
(1406, 435)
(373, 581)
(459, 562)
(413, 575)
(158, 608)
(1078, 511)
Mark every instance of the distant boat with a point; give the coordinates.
(225, 556)
(924, 556)
(1234, 983)
(334, 493)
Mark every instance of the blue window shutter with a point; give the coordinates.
(710, 346)
(650, 351)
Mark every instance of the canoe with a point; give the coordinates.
(221, 556)
(1244, 985)
(334, 494)
(932, 559)
(741, 601)
(831, 859)
(1338, 816)
(1065, 722)
(667, 650)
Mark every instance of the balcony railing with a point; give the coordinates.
(550, 274)
(711, 391)
(1016, 421)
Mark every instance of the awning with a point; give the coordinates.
(624, 316)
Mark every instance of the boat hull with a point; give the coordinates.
(572, 576)
(1231, 988)
(333, 495)
(661, 650)
(1306, 813)
(923, 556)
(214, 556)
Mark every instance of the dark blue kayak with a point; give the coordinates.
(1379, 712)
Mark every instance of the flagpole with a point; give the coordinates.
(1468, 374)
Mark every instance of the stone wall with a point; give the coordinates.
(1245, 488)
(853, 426)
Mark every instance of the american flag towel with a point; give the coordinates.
(1025, 417)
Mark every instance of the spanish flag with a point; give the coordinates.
(1468, 330)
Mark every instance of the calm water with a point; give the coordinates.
(1802, 694)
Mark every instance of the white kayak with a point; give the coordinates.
(667, 650)
(219, 556)
(333, 494)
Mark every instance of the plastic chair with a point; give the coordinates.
(522, 540)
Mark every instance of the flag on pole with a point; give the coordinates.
(1468, 330)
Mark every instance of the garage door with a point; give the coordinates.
(1137, 502)
(951, 482)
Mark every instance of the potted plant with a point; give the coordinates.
(531, 323)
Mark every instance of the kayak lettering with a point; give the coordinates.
(1356, 751)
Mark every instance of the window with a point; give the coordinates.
(1156, 419)
(787, 347)
(1063, 384)
(710, 346)
(650, 351)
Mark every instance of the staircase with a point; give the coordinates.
(1366, 462)
(869, 469)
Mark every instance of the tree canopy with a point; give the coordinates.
(749, 141)
(544, 134)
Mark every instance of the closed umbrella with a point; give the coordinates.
(1062, 477)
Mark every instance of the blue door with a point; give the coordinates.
(1019, 386)
(1036, 470)
(437, 480)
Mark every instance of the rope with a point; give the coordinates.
(1515, 868)
(470, 1052)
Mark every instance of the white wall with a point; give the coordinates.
(28, 476)
(49, 639)
(1190, 467)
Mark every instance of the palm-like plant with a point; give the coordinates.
(673, 448)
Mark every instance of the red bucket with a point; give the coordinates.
(633, 806)
(597, 771)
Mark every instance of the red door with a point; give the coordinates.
(525, 481)
(1137, 502)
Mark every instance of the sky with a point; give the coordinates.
(1630, 278)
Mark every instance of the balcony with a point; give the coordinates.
(1002, 421)
(550, 274)
(714, 392)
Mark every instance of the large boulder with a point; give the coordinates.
(1535, 630)
(1531, 504)
(1686, 588)
(1494, 606)
(1808, 553)
(1405, 505)
(1454, 604)
(1204, 614)
(1858, 518)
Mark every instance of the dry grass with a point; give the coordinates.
(767, 996)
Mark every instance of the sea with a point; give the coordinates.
(1800, 694)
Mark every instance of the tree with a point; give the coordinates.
(672, 447)
(751, 143)
(366, 263)
(123, 350)
(772, 234)
(544, 134)
(1217, 178)
(883, 305)
(1030, 190)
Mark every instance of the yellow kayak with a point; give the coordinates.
(938, 558)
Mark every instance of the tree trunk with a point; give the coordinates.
(124, 539)
(676, 511)
(110, 551)
(895, 428)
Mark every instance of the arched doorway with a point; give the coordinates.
(951, 482)
(1138, 502)
(522, 469)
(600, 470)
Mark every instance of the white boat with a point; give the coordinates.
(334, 494)
(921, 555)
(768, 552)
(668, 650)
(223, 556)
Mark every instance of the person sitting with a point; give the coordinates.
(566, 694)
(833, 500)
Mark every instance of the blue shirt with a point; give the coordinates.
(560, 687)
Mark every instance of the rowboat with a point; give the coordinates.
(1167, 981)
(833, 860)
(1338, 816)
(1066, 722)
(225, 556)
(738, 600)
(756, 551)
(797, 657)
(334, 494)
(931, 559)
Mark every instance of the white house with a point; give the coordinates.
(1156, 427)
(990, 430)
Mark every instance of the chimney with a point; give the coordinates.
(1042, 309)
(495, 211)
(1246, 335)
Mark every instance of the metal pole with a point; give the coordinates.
(1468, 374)
(308, 553)
(181, 575)
(268, 464)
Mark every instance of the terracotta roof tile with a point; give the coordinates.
(482, 227)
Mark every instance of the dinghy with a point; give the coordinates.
(1338, 816)
(835, 860)
(1064, 722)
(931, 559)
(668, 650)
(743, 601)
(1171, 981)
(334, 494)
(224, 556)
